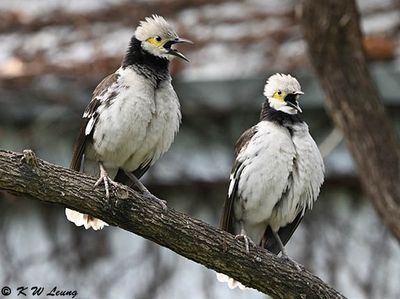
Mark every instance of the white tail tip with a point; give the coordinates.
(232, 284)
(87, 221)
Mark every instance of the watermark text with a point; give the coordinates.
(37, 291)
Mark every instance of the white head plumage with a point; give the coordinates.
(283, 92)
(157, 38)
(154, 26)
(281, 82)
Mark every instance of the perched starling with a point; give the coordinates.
(277, 173)
(133, 116)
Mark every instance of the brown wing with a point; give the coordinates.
(79, 147)
(227, 220)
(90, 114)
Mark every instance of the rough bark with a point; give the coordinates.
(332, 31)
(26, 175)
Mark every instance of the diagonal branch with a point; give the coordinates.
(26, 175)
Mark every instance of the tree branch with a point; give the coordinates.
(26, 175)
(332, 31)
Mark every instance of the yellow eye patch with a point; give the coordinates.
(279, 95)
(155, 41)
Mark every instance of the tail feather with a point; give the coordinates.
(87, 221)
(232, 284)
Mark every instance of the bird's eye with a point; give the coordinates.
(158, 38)
(279, 92)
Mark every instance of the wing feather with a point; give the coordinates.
(89, 119)
(227, 219)
(79, 147)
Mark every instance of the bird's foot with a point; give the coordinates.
(291, 261)
(145, 191)
(284, 255)
(107, 181)
(161, 202)
(247, 241)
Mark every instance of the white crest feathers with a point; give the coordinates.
(154, 26)
(281, 82)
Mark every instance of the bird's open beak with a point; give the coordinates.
(175, 52)
(182, 41)
(295, 106)
(291, 100)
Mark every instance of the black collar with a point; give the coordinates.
(144, 63)
(279, 117)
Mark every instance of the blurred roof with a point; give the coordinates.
(233, 39)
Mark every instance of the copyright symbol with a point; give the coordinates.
(6, 291)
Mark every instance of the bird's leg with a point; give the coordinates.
(263, 241)
(145, 191)
(246, 239)
(278, 240)
(283, 250)
(105, 179)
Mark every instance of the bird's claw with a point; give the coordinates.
(29, 157)
(291, 261)
(247, 241)
(146, 192)
(161, 202)
(107, 181)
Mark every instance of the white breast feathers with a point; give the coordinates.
(281, 176)
(140, 124)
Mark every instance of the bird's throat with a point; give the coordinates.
(148, 63)
(280, 117)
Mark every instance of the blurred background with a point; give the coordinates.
(54, 53)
